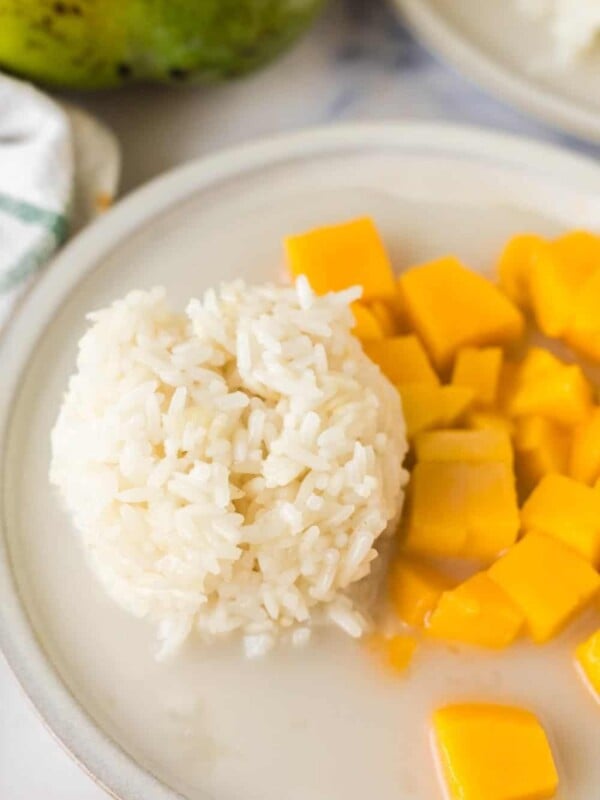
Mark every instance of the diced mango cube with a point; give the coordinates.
(567, 510)
(396, 651)
(452, 307)
(492, 510)
(509, 376)
(547, 580)
(400, 651)
(533, 432)
(476, 612)
(514, 266)
(402, 359)
(493, 752)
(584, 461)
(435, 523)
(403, 323)
(541, 448)
(426, 406)
(339, 256)
(583, 330)
(383, 312)
(415, 588)
(554, 286)
(588, 659)
(366, 326)
(479, 368)
(559, 270)
(580, 249)
(458, 445)
(530, 467)
(547, 387)
(538, 361)
(490, 421)
(461, 509)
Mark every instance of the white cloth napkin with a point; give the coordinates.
(59, 168)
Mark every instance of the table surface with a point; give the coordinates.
(358, 63)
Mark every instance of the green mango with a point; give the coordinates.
(101, 43)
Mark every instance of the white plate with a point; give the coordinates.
(207, 724)
(492, 43)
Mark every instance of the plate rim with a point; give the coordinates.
(100, 756)
(487, 72)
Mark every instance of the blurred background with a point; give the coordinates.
(357, 62)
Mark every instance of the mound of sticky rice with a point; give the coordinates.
(575, 24)
(230, 468)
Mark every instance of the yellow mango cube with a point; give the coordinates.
(514, 266)
(554, 286)
(583, 330)
(539, 433)
(476, 612)
(494, 752)
(559, 271)
(427, 406)
(451, 307)
(384, 313)
(579, 248)
(492, 510)
(547, 387)
(336, 257)
(541, 448)
(547, 580)
(588, 660)
(479, 368)
(490, 421)
(461, 509)
(509, 376)
(459, 445)
(366, 326)
(584, 460)
(538, 361)
(435, 522)
(402, 359)
(403, 323)
(415, 588)
(567, 510)
(396, 651)
(400, 651)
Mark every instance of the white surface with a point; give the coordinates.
(32, 764)
(358, 63)
(201, 733)
(514, 56)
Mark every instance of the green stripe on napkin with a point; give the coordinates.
(56, 228)
(27, 265)
(30, 214)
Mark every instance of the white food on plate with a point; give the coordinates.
(575, 24)
(230, 468)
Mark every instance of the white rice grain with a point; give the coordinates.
(230, 468)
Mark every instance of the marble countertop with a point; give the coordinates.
(358, 63)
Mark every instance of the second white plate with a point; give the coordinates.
(495, 45)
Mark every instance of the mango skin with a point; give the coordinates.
(91, 44)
